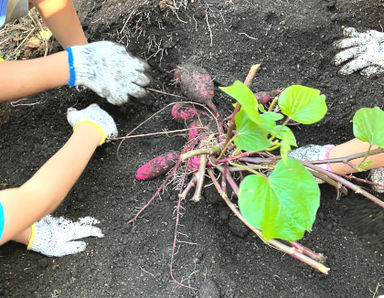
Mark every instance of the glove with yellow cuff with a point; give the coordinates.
(96, 117)
(58, 236)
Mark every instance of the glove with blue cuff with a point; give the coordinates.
(107, 69)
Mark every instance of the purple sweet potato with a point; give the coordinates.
(265, 96)
(157, 166)
(184, 112)
(193, 132)
(196, 84)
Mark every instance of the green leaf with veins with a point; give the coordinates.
(302, 104)
(246, 98)
(284, 133)
(287, 140)
(250, 136)
(368, 126)
(278, 207)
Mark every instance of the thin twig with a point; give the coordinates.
(157, 192)
(157, 133)
(348, 184)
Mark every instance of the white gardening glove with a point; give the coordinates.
(107, 69)
(96, 117)
(56, 236)
(377, 176)
(364, 52)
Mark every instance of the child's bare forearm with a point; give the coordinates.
(61, 18)
(22, 78)
(42, 193)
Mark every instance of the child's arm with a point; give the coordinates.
(22, 78)
(42, 193)
(61, 18)
(104, 67)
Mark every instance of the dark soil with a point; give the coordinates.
(292, 40)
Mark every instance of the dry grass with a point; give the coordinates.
(25, 38)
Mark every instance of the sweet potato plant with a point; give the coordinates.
(247, 154)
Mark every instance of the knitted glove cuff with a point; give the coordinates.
(324, 154)
(79, 65)
(40, 238)
(95, 125)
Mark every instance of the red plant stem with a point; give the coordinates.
(257, 160)
(234, 157)
(187, 189)
(157, 191)
(346, 159)
(351, 177)
(350, 185)
(232, 184)
(273, 243)
(308, 252)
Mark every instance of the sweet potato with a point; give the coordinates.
(157, 166)
(184, 112)
(265, 96)
(196, 84)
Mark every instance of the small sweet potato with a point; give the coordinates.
(265, 96)
(157, 166)
(196, 84)
(184, 112)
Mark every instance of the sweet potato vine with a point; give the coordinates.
(277, 196)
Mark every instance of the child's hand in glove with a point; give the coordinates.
(364, 52)
(56, 237)
(109, 70)
(96, 117)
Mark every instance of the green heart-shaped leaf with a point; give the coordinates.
(250, 136)
(280, 208)
(368, 126)
(302, 104)
(246, 98)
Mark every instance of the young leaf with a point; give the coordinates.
(302, 104)
(368, 126)
(246, 98)
(272, 116)
(280, 208)
(284, 133)
(250, 136)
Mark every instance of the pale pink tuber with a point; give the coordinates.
(196, 84)
(264, 97)
(157, 166)
(184, 112)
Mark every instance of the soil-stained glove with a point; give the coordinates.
(107, 69)
(96, 117)
(377, 176)
(56, 237)
(364, 52)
